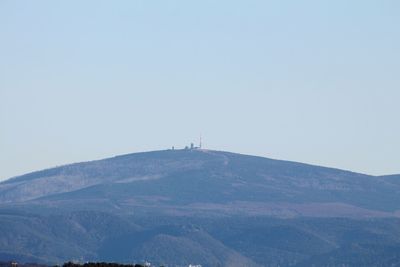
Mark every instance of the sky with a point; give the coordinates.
(310, 81)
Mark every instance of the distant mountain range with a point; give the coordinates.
(197, 206)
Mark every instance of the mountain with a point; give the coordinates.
(215, 208)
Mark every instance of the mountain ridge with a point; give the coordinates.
(197, 176)
(214, 208)
(17, 177)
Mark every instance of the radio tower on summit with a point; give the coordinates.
(200, 142)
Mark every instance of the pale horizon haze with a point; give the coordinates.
(309, 81)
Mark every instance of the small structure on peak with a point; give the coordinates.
(191, 146)
(200, 142)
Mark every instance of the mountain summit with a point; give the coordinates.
(196, 206)
(198, 180)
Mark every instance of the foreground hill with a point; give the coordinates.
(180, 207)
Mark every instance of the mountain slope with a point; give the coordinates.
(181, 207)
(206, 180)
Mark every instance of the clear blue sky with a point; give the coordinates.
(309, 81)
